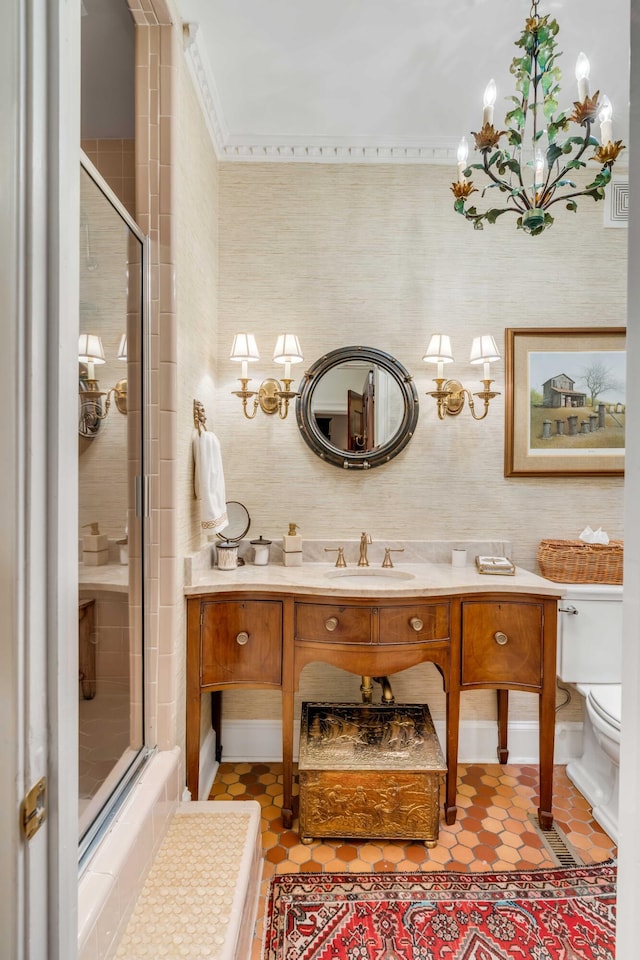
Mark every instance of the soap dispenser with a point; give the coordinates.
(95, 546)
(292, 547)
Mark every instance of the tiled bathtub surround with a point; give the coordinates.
(195, 904)
(109, 886)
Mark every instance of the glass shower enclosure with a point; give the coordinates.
(112, 508)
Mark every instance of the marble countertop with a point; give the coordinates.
(403, 580)
(107, 576)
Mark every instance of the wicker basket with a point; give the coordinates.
(572, 561)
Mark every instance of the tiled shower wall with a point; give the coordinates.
(115, 160)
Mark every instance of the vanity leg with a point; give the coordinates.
(547, 716)
(216, 720)
(193, 698)
(503, 722)
(287, 759)
(547, 731)
(453, 722)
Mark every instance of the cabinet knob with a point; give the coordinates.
(500, 638)
(331, 623)
(242, 638)
(416, 623)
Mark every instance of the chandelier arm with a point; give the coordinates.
(565, 170)
(567, 196)
(504, 186)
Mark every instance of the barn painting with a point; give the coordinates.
(559, 391)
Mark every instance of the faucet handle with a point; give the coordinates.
(387, 562)
(340, 562)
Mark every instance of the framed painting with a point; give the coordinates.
(565, 402)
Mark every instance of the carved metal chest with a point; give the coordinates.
(369, 770)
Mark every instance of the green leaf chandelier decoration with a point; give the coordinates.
(530, 187)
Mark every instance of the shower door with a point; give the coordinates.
(112, 527)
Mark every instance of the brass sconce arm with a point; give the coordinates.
(270, 398)
(273, 395)
(245, 395)
(450, 397)
(486, 395)
(93, 395)
(284, 396)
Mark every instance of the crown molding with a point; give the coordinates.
(337, 152)
(288, 149)
(205, 87)
(256, 149)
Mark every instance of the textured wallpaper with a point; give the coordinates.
(375, 255)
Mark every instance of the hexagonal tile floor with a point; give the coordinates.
(493, 831)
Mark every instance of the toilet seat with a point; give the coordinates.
(605, 701)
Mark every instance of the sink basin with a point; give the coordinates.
(365, 574)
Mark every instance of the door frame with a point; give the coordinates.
(40, 114)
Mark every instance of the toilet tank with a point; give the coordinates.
(590, 633)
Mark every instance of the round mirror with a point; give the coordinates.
(358, 407)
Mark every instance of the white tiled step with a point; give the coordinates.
(200, 897)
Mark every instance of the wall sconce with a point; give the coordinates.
(92, 413)
(450, 395)
(273, 395)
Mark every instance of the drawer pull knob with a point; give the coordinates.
(331, 624)
(501, 638)
(416, 623)
(242, 638)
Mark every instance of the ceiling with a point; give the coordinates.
(379, 78)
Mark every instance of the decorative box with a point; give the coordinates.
(369, 770)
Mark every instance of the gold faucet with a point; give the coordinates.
(365, 539)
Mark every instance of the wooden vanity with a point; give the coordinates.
(478, 636)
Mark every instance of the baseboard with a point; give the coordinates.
(208, 764)
(257, 741)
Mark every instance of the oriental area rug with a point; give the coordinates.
(553, 914)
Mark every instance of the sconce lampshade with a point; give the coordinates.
(484, 350)
(287, 349)
(122, 348)
(439, 349)
(90, 349)
(244, 347)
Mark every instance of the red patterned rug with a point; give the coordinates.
(554, 914)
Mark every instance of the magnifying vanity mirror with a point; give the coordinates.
(357, 408)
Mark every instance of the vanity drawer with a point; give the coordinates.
(502, 643)
(415, 623)
(339, 624)
(241, 642)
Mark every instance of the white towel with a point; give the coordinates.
(208, 481)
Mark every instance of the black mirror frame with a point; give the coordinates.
(349, 459)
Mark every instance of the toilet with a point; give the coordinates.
(590, 656)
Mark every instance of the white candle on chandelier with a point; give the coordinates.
(582, 76)
(606, 126)
(287, 370)
(538, 170)
(488, 102)
(462, 155)
(245, 370)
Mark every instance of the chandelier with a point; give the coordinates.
(532, 162)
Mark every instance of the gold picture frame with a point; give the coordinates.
(557, 383)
